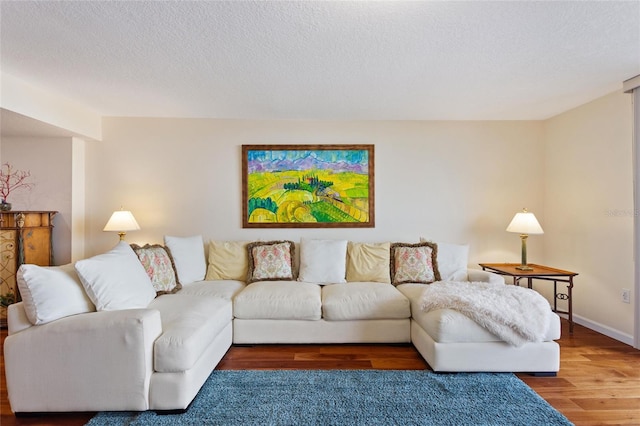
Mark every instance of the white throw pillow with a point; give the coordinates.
(51, 293)
(188, 256)
(323, 261)
(453, 260)
(116, 280)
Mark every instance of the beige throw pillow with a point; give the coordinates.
(368, 262)
(228, 260)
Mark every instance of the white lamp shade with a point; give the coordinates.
(525, 222)
(122, 220)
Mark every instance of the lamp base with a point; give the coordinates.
(524, 268)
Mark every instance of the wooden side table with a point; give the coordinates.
(540, 272)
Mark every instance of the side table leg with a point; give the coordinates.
(570, 303)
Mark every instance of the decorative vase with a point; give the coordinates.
(5, 207)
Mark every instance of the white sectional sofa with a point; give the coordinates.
(142, 351)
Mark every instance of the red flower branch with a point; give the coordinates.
(12, 179)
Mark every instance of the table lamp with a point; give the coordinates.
(121, 221)
(525, 224)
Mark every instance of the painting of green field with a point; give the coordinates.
(308, 186)
(308, 196)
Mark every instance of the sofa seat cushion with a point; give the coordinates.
(450, 326)
(284, 300)
(363, 301)
(189, 324)
(225, 289)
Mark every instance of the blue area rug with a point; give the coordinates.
(360, 397)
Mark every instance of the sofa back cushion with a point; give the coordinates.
(51, 293)
(188, 255)
(228, 260)
(453, 260)
(323, 261)
(116, 280)
(368, 262)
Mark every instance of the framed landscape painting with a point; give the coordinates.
(308, 186)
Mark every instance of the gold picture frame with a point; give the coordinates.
(308, 186)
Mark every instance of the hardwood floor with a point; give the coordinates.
(598, 382)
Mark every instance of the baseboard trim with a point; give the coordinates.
(604, 329)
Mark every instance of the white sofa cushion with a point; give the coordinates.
(279, 300)
(368, 262)
(363, 301)
(51, 293)
(225, 289)
(323, 261)
(116, 280)
(188, 256)
(444, 325)
(449, 326)
(453, 260)
(189, 324)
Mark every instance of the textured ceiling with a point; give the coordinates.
(392, 60)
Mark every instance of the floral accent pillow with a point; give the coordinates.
(414, 263)
(158, 264)
(270, 261)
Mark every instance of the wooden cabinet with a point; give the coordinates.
(25, 237)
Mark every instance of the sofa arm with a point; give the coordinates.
(89, 362)
(17, 319)
(478, 275)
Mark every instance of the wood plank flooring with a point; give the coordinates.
(598, 382)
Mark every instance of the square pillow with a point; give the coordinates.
(270, 261)
(323, 261)
(116, 280)
(158, 263)
(228, 260)
(368, 262)
(453, 261)
(188, 256)
(414, 263)
(52, 292)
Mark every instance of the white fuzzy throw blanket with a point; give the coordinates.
(515, 314)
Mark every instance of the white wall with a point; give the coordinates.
(23, 98)
(49, 161)
(453, 181)
(78, 195)
(589, 208)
